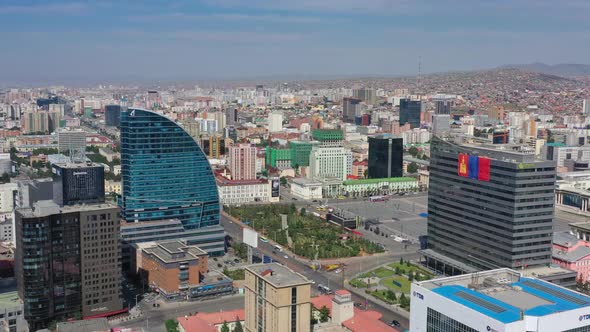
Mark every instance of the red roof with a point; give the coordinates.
(342, 292)
(205, 322)
(362, 321)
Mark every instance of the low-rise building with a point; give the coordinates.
(172, 267)
(111, 186)
(306, 189)
(386, 186)
(236, 192)
(571, 253)
(496, 300)
(211, 322)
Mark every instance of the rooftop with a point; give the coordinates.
(368, 181)
(206, 322)
(585, 226)
(174, 251)
(505, 294)
(10, 299)
(48, 207)
(278, 275)
(91, 325)
(222, 181)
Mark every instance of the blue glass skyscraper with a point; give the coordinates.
(166, 175)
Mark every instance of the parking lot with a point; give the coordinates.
(401, 215)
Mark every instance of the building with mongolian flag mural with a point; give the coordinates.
(489, 206)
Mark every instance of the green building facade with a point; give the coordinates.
(300, 151)
(274, 156)
(323, 135)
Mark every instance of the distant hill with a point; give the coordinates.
(562, 69)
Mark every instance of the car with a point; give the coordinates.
(358, 305)
(263, 239)
(338, 271)
(236, 260)
(315, 201)
(286, 256)
(395, 323)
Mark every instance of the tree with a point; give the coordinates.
(410, 276)
(302, 211)
(413, 151)
(171, 325)
(401, 260)
(225, 327)
(324, 314)
(238, 326)
(412, 167)
(292, 208)
(398, 270)
(283, 181)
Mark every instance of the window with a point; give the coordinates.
(437, 322)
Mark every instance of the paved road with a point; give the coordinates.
(153, 318)
(331, 279)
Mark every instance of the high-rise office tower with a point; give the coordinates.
(35, 122)
(368, 95)
(231, 115)
(242, 162)
(72, 141)
(385, 157)
(166, 175)
(67, 262)
(410, 112)
(213, 146)
(442, 104)
(586, 106)
(112, 115)
(489, 207)
(277, 299)
(351, 108)
(275, 122)
(77, 183)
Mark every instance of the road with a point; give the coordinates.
(331, 279)
(154, 318)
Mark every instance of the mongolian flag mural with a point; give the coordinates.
(474, 167)
(462, 166)
(484, 169)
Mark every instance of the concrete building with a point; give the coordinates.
(12, 318)
(213, 146)
(172, 267)
(35, 122)
(237, 192)
(501, 300)
(559, 152)
(368, 95)
(441, 124)
(211, 322)
(306, 189)
(586, 106)
(277, 299)
(351, 108)
(275, 122)
(8, 191)
(242, 162)
(382, 186)
(328, 162)
(71, 141)
(76, 271)
(494, 203)
(112, 115)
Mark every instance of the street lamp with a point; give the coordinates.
(136, 295)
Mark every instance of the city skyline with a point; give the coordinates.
(67, 42)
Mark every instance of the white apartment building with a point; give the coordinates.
(243, 192)
(306, 189)
(327, 162)
(275, 122)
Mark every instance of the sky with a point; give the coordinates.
(134, 40)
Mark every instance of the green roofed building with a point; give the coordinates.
(278, 158)
(328, 135)
(300, 151)
(385, 186)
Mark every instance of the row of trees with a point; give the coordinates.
(237, 326)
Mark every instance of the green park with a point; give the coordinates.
(391, 283)
(305, 235)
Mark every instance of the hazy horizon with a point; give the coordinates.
(86, 42)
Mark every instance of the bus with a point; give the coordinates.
(278, 248)
(263, 239)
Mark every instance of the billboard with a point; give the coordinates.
(250, 237)
(275, 187)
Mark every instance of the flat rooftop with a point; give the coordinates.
(10, 299)
(278, 275)
(175, 251)
(504, 294)
(49, 207)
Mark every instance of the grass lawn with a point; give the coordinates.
(381, 272)
(412, 268)
(358, 283)
(381, 295)
(388, 282)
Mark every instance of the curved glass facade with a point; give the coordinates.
(165, 174)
